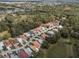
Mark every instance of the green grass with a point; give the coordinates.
(56, 51)
(62, 49)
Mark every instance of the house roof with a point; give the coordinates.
(27, 34)
(23, 36)
(1, 44)
(55, 30)
(19, 39)
(44, 35)
(1, 47)
(35, 43)
(36, 29)
(13, 56)
(8, 48)
(34, 48)
(40, 41)
(7, 43)
(12, 41)
(5, 55)
(22, 54)
(29, 51)
(51, 32)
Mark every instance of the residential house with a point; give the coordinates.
(44, 29)
(21, 40)
(17, 44)
(29, 51)
(33, 48)
(5, 55)
(43, 36)
(39, 39)
(55, 29)
(1, 46)
(22, 54)
(13, 54)
(50, 32)
(48, 26)
(29, 34)
(36, 44)
(23, 37)
(38, 30)
(8, 44)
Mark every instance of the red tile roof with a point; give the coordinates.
(33, 48)
(22, 54)
(35, 43)
(44, 35)
(23, 36)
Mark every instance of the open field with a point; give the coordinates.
(62, 49)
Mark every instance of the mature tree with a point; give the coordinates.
(5, 35)
(45, 45)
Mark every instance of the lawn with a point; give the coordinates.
(59, 50)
